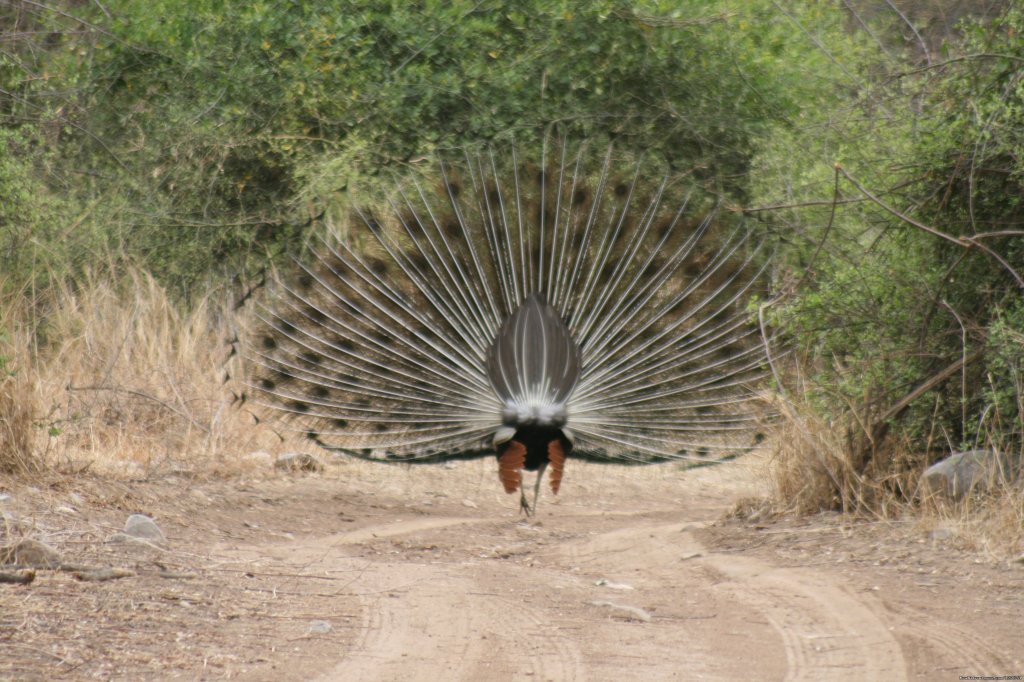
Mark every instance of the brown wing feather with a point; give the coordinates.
(510, 466)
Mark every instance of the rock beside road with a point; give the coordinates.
(965, 472)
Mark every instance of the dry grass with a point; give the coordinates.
(812, 468)
(17, 428)
(816, 466)
(990, 524)
(124, 382)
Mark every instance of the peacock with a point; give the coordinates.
(533, 311)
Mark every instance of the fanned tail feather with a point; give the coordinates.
(384, 346)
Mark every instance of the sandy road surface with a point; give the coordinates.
(386, 574)
(620, 581)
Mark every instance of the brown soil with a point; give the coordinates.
(385, 573)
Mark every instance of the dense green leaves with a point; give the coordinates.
(925, 273)
(226, 126)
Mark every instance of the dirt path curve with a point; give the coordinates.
(668, 608)
(373, 574)
(624, 588)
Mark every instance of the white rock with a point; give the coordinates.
(963, 472)
(260, 457)
(624, 610)
(141, 526)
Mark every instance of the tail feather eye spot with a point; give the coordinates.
(419, 261)
(665, 228)
(269, 342)
(316, 315)
(653, 268)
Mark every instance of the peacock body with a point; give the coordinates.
(528, 312)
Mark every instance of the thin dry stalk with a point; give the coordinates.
(17, 425)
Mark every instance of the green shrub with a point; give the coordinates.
(888, 306)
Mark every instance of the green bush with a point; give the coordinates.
(220, 130)
(888, 306)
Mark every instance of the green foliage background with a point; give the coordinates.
(890, 305)
(202, 140)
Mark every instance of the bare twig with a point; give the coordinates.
(140, 394)
(966, 242)
(920, 40)
(962, 58)
(828, 229)
(927, 385)
(17, 577)
(802, 204)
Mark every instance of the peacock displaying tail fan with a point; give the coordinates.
(532, 312)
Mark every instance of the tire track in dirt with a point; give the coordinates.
(471, 620)
(827, 631)
(445, 622)
(941, 646)
(629, 594)
(822, 630)
(442, 627)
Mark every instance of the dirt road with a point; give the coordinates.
(370, 573)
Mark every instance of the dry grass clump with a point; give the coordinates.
(990, 523)
(812, 468)
(17, 427)
(126, 381)
(817, 465)
(18, 402)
